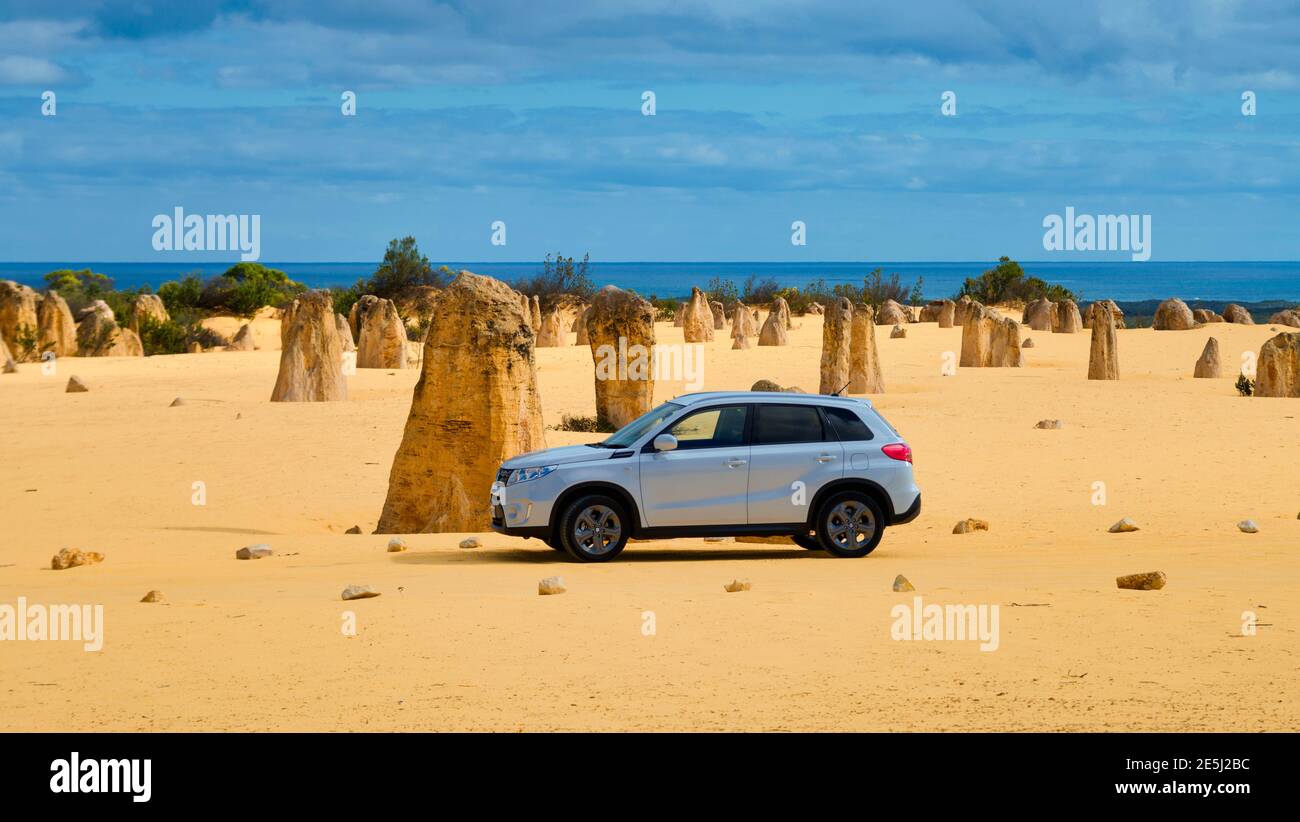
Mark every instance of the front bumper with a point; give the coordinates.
(515, 516)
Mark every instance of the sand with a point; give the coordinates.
(459, 639)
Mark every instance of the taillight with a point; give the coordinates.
(898, 451)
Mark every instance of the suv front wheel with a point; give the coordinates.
(594, 528)
(850, 524)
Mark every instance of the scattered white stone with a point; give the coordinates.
(1124, 526)
(254, 551)
(396, 544)
(1248, 526)
(469, 542)
(970, 525)
(551, 585)
(359, 592)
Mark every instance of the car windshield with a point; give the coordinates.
(637, 428)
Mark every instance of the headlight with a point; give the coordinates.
(526, 474)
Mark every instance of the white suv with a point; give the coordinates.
(827, 471)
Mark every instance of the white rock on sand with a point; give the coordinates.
(359, 592)
(551, 586)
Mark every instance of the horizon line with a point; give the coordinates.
(657, 262)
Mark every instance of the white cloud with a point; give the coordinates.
(16, 70)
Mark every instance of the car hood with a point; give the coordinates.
(558, 456)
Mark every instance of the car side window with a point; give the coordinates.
(711, 428)
(848, 425)
(776, 424)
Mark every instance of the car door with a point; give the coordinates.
(705, 480)
(791, 456)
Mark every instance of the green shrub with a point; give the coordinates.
(403, 269)
(345, 298)
(163, 337)
(559, 277)
(723, 291)
(589, 425)
(1007, 283)
(26, 339)
(246, 287)
(665, 309)
(185, 293)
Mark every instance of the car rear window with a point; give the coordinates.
(787, 423)
(848, 425)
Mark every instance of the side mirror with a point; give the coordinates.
(665, 442)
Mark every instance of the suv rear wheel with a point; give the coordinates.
(850, 524)
(594, 528)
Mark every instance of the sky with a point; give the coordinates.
(766, 113)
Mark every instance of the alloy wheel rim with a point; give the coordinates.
(851, 524)
(597, 529)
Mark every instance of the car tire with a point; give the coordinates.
(850, 524)
(594, 528)
(808, 541)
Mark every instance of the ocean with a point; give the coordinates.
(1120, 281)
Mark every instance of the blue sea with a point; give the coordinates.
(1121, 281)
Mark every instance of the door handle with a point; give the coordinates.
(735, 463)
(825, 457)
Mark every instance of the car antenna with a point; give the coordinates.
(842, 387)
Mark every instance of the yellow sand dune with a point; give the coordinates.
(459, 639)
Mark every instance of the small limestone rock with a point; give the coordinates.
(1150, 581)
(1028, 343)
(396, 545)
(898, 333)
(76, 386)
(737, 585)
(10, 366)
(1124, 526)
(469, 542)
(176, 402)
(359, 592)
(902, 584)
(969, 525)
(355, 529)
(72, 557)
(253, 551)
(153, 596)
(1050, 424)
(1248, 526)
(551, 586)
